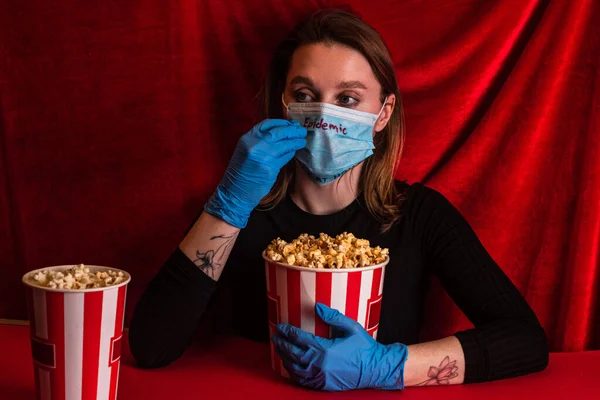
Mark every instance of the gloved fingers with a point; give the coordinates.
(300, 337)
(299, 373)
(295, 371)
(315, 382)
(300, 356)
(285, 147)
(289, 350)
(280, 133)
(269, 124)
(310, 357)
(336, 319)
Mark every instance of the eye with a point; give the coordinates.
(303, 97)
(347, 101)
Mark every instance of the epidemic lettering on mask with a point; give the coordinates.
(321, 124)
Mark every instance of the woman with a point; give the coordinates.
(334, 67)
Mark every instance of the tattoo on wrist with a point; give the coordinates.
(441, 374)
(211, 260)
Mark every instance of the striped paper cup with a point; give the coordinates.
(292, 293)
(76, 338)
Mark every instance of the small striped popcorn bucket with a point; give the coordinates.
(292, 293)
(76, 338)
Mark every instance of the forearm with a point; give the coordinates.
(507, 340)
(502, 349)
(439, 362)
(209, 243)
(168, 312)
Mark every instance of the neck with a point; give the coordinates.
(328, 199)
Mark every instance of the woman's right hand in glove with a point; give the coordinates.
(259, 156)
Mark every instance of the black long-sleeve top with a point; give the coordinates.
(431, 238)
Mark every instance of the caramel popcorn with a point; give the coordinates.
(77, 277)
(343, 251)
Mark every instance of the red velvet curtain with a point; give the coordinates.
(119, 117)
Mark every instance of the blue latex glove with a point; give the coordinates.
(354, 360)
(254, 167)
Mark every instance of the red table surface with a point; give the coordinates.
(237, 367)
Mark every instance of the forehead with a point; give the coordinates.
(329, 64)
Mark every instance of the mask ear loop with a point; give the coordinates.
(382, 108)
(287, 107)
(380, 111)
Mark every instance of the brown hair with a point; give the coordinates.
(377, 177)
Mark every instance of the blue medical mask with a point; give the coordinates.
(338, 138)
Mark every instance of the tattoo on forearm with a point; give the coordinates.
(442, 374)
(211, 261)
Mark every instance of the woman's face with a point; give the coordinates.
(339, 75)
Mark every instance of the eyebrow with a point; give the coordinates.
(351, 85)
(342, 85)
(302, 79)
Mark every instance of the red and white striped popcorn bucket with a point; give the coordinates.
(293, 292)
(76, 338)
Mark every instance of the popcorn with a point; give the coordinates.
(343, 251)
(78, 277)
